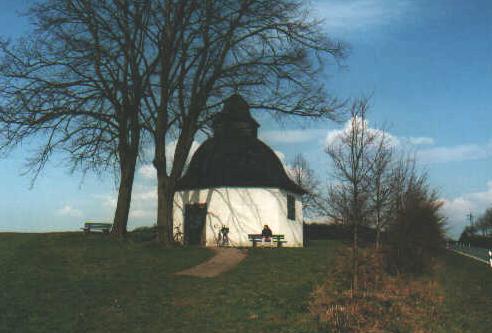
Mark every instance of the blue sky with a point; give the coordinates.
(426, 64)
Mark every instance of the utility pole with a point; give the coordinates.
(470, 218)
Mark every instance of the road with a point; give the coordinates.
(477, 253)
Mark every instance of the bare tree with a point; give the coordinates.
(484, 222)
(267, 50)
(76, 85)
(487, 216)
(98, 77)
(403, 178)
(338, 203)
(379, 175)
(301, 173)
(351, 169)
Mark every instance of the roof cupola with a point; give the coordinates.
(235, 120)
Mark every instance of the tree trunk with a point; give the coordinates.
(378, 231)
(165, 194)
(355, 263)
(378, 237)
(166, 184)
(127, 169)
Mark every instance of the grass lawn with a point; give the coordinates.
(74, 283)
(467, 286)
(71, 282)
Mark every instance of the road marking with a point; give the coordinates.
(469, 255)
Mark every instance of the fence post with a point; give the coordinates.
(490, 258)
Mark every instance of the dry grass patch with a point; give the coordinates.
(384, 303)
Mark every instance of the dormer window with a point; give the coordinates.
(291, 207)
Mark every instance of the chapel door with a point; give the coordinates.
(195, 216)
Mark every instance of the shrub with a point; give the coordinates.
(143, 234)
(317, 231)
(417, 233)
(384, 302)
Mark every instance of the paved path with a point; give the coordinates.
(224, 260)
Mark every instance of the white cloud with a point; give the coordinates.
(334, 136)
(456, 153)
(356, 15)
(424, 154)
(147, 171)
(144, 193)
(291, 136)
(69, 211)
(142, 214)
(456, 209)
(108, 201)
(144, 203)
(306, 135)
(420, 140)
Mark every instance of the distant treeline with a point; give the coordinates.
(477, 240)
(318, 231)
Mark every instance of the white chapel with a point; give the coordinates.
(236, 181)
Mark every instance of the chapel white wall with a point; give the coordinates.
(244, 211)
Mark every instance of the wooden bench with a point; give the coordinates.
(258, 238)
(97, 226)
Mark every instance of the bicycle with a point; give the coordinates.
(178, 236)
(223, 236)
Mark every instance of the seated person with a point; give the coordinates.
(266, 233)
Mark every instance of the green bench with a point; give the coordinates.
(257, 238)
(97, 226)
(279, 239)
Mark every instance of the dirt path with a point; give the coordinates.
(224, 260)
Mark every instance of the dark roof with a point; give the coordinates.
(234, 157)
